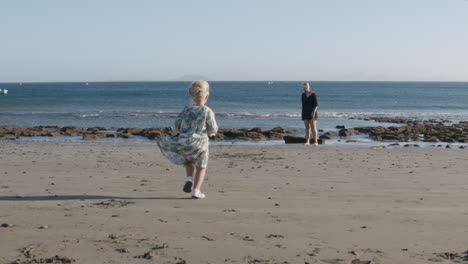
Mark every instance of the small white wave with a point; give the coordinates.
(153, 114)
(31, 113)
(219, 114)
(86, 115)
(257, 115)
(405, 115)
(322, 114)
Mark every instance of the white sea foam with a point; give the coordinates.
(86, 115)
(405, 115)
(321, 114)
(253, 115)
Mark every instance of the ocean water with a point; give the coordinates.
(236, 104)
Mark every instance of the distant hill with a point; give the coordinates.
(189, 78)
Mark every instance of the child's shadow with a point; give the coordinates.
(83, 197)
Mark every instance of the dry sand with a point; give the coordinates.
(104, 203)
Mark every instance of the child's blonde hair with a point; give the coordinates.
(199, 89)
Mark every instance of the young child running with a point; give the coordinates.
(190, 147)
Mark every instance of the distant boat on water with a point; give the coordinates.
(270, 82)
(3, 91)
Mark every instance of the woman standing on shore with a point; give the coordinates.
(190, 147)
(309, 113)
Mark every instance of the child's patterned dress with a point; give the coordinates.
(194, 124)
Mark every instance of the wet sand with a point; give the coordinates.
(118, 203)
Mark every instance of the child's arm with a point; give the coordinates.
(211, 126)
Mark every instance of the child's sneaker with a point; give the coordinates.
(196, 194)
(187, 187)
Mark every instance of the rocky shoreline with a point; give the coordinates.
(93, 133)
(397, 120)
(410, 130)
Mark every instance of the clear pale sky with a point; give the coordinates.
(336, 40)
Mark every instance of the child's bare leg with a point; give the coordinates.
(190, 171)
(199, 178)
(190, 168)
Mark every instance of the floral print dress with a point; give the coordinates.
(194, 124)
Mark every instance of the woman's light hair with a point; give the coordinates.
(199, 89)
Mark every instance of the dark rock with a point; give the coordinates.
(168, 131)
(294, 139)
(273, 135)
(328, 135)
(233, 133)
(432, 139)
(256, 130)
(5, 129)
(71, 131)
(16, 131)
(411, 145)
(132, 131)
(255, 136)
(364, 130)
(126, 135)
(392, 120)
(377, 130)
(31, 132)
(298, 140)
(346, 132)
(413, 131)
(94, 136)
(280, 130)
(96, 129)
(155, 135)
(340, 127)
(52, 134)
(398, 137)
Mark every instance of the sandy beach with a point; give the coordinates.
(119, 203)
